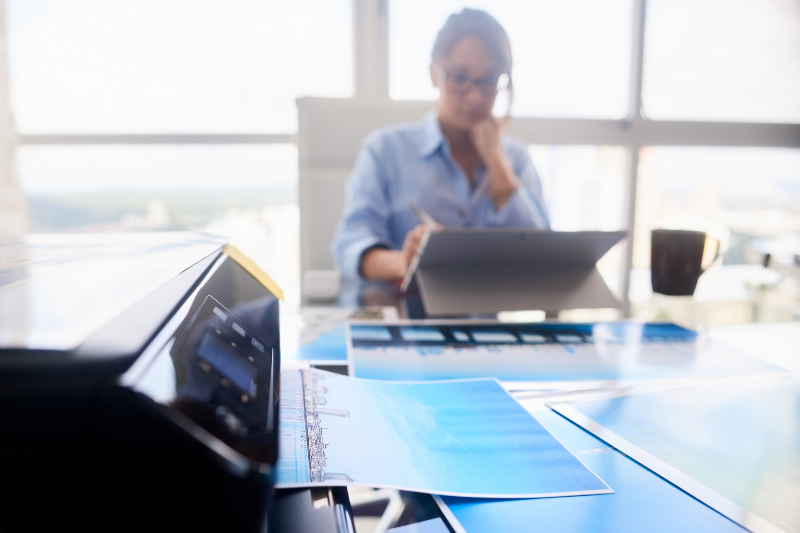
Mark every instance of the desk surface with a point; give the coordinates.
(777, 343)
(642, 501)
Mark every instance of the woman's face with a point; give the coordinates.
(463, 107)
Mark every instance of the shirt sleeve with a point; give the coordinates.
(365, 221)
(525, 208)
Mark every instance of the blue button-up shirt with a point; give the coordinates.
(409, 163)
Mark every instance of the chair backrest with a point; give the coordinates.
(330, 132)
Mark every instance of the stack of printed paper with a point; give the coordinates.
(463, 437)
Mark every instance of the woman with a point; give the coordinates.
(454, 163)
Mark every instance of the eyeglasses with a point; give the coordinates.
(461, 84)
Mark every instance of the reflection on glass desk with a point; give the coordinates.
(371, 293)
(318, 334)
(541, 352)
(777, 343)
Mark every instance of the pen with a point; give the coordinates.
(423, 215)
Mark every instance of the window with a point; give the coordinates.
(584, 189)
(735, 194)
(152, 65)
(247, 193)
(175, 67)
(584, 185)
(571, 57)
(47, 170)
(727, 60)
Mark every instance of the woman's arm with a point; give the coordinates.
(516, 190)
(485, 137)
(364, 223)
(380, 263)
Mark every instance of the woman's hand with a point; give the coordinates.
(485, 137)
(380, 263)
(412, 242)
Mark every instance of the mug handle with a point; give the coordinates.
(708, 260)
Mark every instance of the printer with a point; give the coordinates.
(139, 385)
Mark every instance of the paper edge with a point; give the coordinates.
(603, 481)
(476, 495)
(719, 503)
(449, 515)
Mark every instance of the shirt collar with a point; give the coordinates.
(432, 136)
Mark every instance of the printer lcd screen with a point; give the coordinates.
(229, 365)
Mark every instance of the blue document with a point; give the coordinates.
(641, 502)
(432, 350)
(734, 445)
(466, 437)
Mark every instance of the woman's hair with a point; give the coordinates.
(480, 25)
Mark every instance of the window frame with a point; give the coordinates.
(635, 131)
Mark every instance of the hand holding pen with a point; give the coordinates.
(380, 263)
(416, 238)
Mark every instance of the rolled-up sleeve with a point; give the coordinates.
(366, 212)
(525, 208)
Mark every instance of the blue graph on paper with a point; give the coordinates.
(466, 437)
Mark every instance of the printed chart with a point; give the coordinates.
(462, 437)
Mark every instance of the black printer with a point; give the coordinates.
(139, 384)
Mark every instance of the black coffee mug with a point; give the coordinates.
(678, 257)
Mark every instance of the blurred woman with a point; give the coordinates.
(455, 163)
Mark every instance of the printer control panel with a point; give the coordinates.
(218, 373)
(223, 379)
